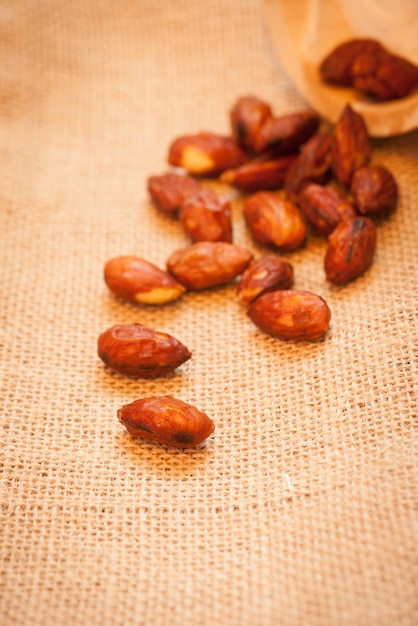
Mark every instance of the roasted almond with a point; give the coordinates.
(324, 208)
(351, 146)
(268, 273)
(286, 133)
(313, 165)
(386, 77)
(208, 264)
(139, 352)
(350, 251)
(137, 280)
(169, 190)
(167, 420)
(369, 67)
(337, 65)
(247, 116)
(206, 217)
(206, 154)
(264, 172)
(374, 190)
(291, 314)
(275, 221)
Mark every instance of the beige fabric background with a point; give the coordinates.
(302, 509)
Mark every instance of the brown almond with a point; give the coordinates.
(337, 65)
(313, 165)
(324, 208)
(374, 190)
(208, 264)
(262, 173)
(205, 217)
(268, 273)
(167, 420)
(386, 77)
(370, 68)
(291, 314)
(286, 133)
(350, 251)
(275, 221)
(351, 146)
(206, 153)
(169, 190)
(137, 280)
(247, 116)
(139, 352)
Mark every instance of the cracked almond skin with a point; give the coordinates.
(167, 420)
(275, 221)
(247, 116)
(370, 68)
(350, 250)
(262, 173)
(313, 165)
(208, 264)
(205, 217)
(374, 190)
(351, 146)
(206, 154)
(324, 208)
(139, 352)
(137, 280)
(286, 133)
(169, 190)
(291, 314)
(268, 273)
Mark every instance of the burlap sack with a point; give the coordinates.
(301, 509)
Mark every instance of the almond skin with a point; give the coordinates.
(291, 315)
(324, 208)
(169, 190)
(139, 352)
(374, 190)
(205, 217)
(268, 273)
(351, 146)
(208, 264)
(167, 420)
(350, 250)
(275, 221)
(137, 280)
(206, 154)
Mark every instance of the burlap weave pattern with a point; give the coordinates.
(301, 509)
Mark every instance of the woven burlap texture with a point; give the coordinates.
(301, 509)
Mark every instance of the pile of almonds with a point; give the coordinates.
(296, 176)
(370, 68)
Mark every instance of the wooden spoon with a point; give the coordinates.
(305, 31)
